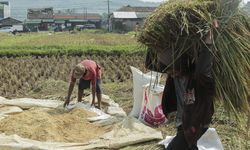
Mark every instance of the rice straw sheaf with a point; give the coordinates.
(181, 26)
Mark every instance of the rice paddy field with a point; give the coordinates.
(38, 65)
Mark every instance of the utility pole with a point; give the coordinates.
(85, 13)
(108, 15)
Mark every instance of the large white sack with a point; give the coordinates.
(140, 79)
(209, 141)
(151, 110)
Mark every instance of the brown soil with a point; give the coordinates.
(52, 125)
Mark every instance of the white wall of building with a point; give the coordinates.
(7, 11)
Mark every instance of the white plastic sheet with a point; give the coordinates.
(101, 114)
(113, 108)
(129, 131)
(106, 100)
(116, 111)
(8, 110)
(209, 141)
(27, 103)
(2, 98)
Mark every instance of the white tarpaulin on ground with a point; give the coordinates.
(209, 141)
(27, 103)
(106, 100)
(112, 107)
(7, 110)
(101, 114)
(129, 131)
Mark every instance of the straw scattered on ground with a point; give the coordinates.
(52, 125)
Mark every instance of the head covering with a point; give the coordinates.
(79, 70)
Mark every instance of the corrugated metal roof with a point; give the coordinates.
(125, 15)
(142, 14)
(130, 15)
(9, 21)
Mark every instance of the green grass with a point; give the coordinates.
(66, 43)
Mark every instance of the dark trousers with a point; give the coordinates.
(85, 84)
(179, 142)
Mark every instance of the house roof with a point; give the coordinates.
(4, 2)
(130, 15)
(142, 14)
(125, 15)
(9, 21)
(81, 16)
(129, 8)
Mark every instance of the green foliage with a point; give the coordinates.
(89, 41)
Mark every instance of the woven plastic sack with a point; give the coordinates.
(151, 111)
(139, 80)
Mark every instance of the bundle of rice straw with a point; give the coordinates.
(180, 26)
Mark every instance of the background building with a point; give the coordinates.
(44, 19)
(129, 18)
(13, 23)
(4, 9)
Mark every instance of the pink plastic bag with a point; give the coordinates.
(151, 112)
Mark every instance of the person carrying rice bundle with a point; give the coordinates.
(193, 90)
(204, 46)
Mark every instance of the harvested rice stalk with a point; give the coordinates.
(179, 27)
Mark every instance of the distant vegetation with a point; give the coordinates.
(66, 43)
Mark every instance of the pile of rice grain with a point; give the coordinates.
(52, 125)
